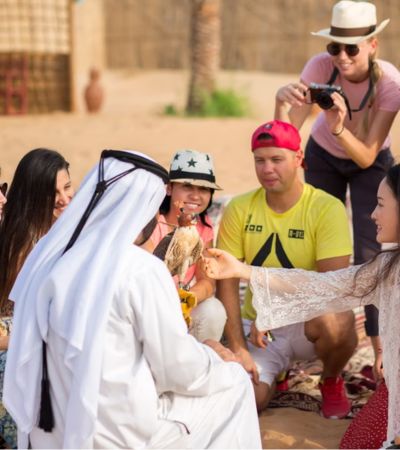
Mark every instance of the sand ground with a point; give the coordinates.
(132, 119)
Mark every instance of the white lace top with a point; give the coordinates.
(285, 296)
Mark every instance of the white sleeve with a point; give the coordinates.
(177, 361)
(285, 296)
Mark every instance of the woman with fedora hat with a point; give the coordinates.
(191, 187)
(349, 146)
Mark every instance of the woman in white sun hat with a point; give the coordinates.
(349, 146)
(191, 186)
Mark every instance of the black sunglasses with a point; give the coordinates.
(3, 188)
(334, 48)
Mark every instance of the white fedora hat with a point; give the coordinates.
(352, 22)
(190, 166)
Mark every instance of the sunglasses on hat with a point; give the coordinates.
(334, 48)
(3, 188)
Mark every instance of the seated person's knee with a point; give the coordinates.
(209, 318)
(334, 329)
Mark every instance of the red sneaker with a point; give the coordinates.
(335, 404)
(282, 382)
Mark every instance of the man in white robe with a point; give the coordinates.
(123, 370)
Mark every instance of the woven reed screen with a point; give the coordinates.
(35, 55)
(270, 35)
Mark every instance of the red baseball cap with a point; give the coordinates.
(276, 134)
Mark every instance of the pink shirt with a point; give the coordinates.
(319, 70)
(162, 229)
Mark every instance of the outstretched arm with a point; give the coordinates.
(285, 296)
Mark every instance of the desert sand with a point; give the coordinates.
(132, 119)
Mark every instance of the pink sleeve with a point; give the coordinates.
(388, 88)
(318, 69)
(206, 233)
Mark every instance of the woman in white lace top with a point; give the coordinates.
(285, 296)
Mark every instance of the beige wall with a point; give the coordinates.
(88, 44)
(89, 34)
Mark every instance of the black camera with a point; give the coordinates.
(321, 95)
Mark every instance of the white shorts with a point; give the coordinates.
(289, 344)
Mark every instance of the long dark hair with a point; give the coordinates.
(393, 181)
(28, 213)
(166, 206)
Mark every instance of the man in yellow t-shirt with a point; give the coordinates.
(286, 223)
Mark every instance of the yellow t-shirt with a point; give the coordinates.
(315, 228)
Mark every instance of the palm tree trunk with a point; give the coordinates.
(205, 51)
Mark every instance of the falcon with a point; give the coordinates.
(182, 247)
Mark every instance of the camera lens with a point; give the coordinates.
(324, 100)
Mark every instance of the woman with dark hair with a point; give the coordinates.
(284, 296)
(40, 190)
(190, 190)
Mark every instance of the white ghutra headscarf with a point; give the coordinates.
(71, 292)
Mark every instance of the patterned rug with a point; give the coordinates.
(303, 378)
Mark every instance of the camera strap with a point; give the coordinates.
(333, 77)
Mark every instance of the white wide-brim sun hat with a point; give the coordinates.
(352, 22)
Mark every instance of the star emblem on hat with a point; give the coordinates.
(193, 167)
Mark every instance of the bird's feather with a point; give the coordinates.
(162, 247)
(183, 250)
